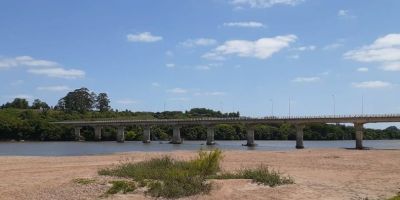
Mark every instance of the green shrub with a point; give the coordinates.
(260, 175)
(121, 186)
(83, 181)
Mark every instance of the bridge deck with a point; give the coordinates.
(242, 120)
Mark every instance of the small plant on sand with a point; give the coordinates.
(261, 175)
(84, 181)
(121, 186)
(170, 178)
(397, 197)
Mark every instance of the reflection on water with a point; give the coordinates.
(91, 148)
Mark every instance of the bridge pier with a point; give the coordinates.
(250, 136)
(359, 135)
(176, 135)
(77, 131)
(299, 136)
(97, 133)
(121, 134)
(146, 134)
(210, 135)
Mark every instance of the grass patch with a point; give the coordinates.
(169, 178)
(262, 175)
(84, 181)
(397, 197)
(121, 186)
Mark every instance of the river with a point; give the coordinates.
(95, 148)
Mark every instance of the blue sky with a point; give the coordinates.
(231, 55)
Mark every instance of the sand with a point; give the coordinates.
(318, 173)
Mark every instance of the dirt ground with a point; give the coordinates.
(318, 173)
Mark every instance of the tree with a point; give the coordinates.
(38, 104)
(102, 102)
(17, 103)
(80, 100)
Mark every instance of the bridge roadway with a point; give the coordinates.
(299, 122)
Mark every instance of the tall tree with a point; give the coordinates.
(103, 102)
(38, 104)
(17, 103)
(80, 100)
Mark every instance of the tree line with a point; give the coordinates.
(21, 121)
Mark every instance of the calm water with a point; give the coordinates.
(92, 148)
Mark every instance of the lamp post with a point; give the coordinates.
(272, 106)
(289, 106)
(334, 105)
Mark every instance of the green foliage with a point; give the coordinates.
(121, 186)
(84, 181)
(103, 102)
(260, 175)
(19, 103)
(397, 197)
(170, 178)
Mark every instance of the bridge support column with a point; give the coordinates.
(359, 135)
(299, 136)
(176, 135)
(250, 136)
(77, 131)
(210, 135)
(97, 133)
(146, 134)
(121, 134)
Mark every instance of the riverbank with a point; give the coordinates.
(318, 173)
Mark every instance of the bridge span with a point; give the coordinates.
(298, 121)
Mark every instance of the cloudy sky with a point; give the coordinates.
(231, 55)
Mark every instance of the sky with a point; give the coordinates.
(258, 57)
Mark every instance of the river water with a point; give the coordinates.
(95, 148)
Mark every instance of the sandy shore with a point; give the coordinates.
(319, 174)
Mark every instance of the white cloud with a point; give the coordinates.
(264, 3)
(21, 96)
(155, 84)
(17, 82)
(25, 61)
(384, 50)
(372, 84)
(362, 69)
(143, 37)
(249, 24)
(177, 91)
(333, 46)
(394, 66)
(59, 73)
(305, 48)
(342, 13)
(41, 67)
(170, 65)
(207, 66)
(199, 42)
(169, 53)
(306, 79)
(216, 93)
(57, 88)
(345, 14)
(126, 101)
(262, 48)
(179, 99)
(295, 57)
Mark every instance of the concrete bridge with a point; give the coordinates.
(298, 122)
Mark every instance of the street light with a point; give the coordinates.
(272, 106)
(334, 105)
(289, 106)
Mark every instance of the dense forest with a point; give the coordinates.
(21, 121)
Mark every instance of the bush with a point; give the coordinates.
(260, 175)
(121, 186)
